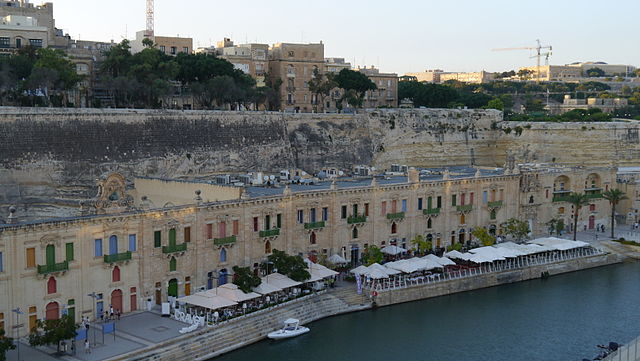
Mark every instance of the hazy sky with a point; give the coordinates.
(400, 36)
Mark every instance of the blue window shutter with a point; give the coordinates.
(98, 247)
(132, 243)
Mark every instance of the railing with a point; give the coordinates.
(465, 208)
(118, 257)
(495, 204)
(356, 219)
(399, 215)
(224, 241)
(402, 281)
(174, 248)
(51, 268)
(270, 232)
(431, 211)
(560, 198)
(314, 225)
(594, 195)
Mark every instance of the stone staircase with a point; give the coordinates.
(228, 336)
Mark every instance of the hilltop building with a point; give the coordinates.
(170, 45)
(438, 76)
(23, 23)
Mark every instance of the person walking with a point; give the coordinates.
(87, 346)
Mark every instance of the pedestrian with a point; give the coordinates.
(602, 228)
(87, 347)
(111, 311)
(102, 316)
(118, 314)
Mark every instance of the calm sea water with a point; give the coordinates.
(561, 318)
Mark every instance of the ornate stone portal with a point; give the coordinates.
(112, 195)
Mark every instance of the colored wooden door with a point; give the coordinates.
(116, 300)
(113, 245)
(172, 237)
(592, 222)
(134, 302)
(173, 288)
(52, 311)
(51, 254)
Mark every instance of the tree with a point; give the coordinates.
(6, 344)
(293, 267)
(321, 85)
(421, 245)
(578, 200)
(50, 332)
(483, 236)
(595, 73)
(355, 84)
(525, 74)
(245, 279)
(147, 43)
(372, 255)
(454, 247)
(614, 196)
(516, 228)
(495, 103)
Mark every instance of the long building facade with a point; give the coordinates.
(135, 248)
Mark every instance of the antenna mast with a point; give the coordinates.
(149, 31)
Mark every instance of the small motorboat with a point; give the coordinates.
(291, 328)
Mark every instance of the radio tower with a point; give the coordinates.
(149, 31)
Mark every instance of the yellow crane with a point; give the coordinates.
(539, 54)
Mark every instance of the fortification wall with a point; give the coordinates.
(51, 158)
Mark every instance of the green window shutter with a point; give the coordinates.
(69, 253)
(173, 264)
(51, 254)
(157, 239)
(453, 200)
(172, 237)
(279, 221)
(429, 203)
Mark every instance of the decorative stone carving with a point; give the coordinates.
(112, 196)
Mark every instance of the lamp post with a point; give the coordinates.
(18, 312)
(94, 297)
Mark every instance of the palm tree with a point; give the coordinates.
(614, 196)
(578, 200)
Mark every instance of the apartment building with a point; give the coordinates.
(252, 59)
(386, 95)
(25, 24)
(170, 45)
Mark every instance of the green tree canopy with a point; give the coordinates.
(516, 228)
(52, 332)
(614, 196)
(6, 344)
(483, 236)
(371, 255)
(421, 245)
(578, 200)
(293, 267)
(355, 84)
(245, 279)
(595, 72)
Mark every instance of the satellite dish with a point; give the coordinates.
(271, 177)
(265, 178)
(340, 173)
(304, 173)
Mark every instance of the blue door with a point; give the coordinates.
(113, 245)
(223, 277)
(99, 309)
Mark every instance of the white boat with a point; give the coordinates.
(291, 328)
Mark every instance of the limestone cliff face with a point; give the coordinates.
(50, 158)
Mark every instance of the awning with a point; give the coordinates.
(559, 244)
(454, 254)
(233, 293)
(393, 250)
(280, 281)
(337, 259)
(443, 261)
(266, 288)
(207, 299)
(360, 270)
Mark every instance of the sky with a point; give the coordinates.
(397, 36)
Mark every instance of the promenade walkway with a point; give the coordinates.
(628, 352)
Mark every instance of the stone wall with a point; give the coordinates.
(50, 158)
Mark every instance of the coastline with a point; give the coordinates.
(223, 338)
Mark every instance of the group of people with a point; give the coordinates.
(111, 314)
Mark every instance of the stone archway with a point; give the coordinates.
(52, 311)
(116, 300)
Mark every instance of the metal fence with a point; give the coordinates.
(404, 281)
(628, 352)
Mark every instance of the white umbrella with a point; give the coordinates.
(387, 270)
(454, 254)
(377, 274)
(393, 250)
(360, 270)
(337, 259)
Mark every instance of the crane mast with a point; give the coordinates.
(539, 54)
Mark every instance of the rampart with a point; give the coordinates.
(50, 158)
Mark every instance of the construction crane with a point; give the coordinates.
(149, 32)
(539, 54)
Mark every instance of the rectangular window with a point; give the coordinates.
(163, 49)
(236, 227)
(355, 210)
(429, 202)
(187, 234)
(343, 212)
(185, 50)
(69, 251)
(255, 224)
(5, 42)
(1, 321)
(366, 209)
(300, 216)
(501, 195)
(31, 257)
(312, 215)
(419, 204)
(471, 198)
(279, 220)
(174, 50)
(404, 205)
(454, 202)
(439, 202)
(222, 229)
(97, 249)
(267, 222)
(1, 263)
(36, 43)
(394, 206)
(462, 199)
(209, 231)
(325, 214)
(485, 197)
(383, 208)
(157, 239)
(133, 243)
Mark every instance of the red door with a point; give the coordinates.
(134, 303)
(52, 311)
(116, 300)
(592, 222)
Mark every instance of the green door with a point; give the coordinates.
(51, 254)
(173, 288)
(172, 237)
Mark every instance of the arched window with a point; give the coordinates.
(530, 199)
(429, 223)
(354, 233)
(113, 245)
(492, 215)
(429, 237)
(173, 264)
(312, 238)
(52, 311)
(52, 285)
(223, 255)
(115, 274)
(394, 228)
(267, 247)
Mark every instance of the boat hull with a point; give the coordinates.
(280, 334)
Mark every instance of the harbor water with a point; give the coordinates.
(560, 318)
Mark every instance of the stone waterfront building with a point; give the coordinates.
(167, 237)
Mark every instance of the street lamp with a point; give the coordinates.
(18, 312)
(94, 297)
